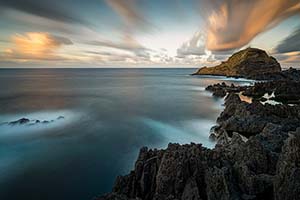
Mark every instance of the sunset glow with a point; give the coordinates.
(137, 33)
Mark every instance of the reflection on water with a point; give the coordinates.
(109, 114)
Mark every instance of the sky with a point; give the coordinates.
(145, 33)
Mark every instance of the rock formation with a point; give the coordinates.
(31, 122)
(248, 63)
(257, 152)
(257, 155)
(264, 167)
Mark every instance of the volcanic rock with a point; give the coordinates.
(247, 63)
(20, 121)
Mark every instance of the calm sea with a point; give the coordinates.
(96, 120)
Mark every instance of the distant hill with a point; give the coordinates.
(246, 63)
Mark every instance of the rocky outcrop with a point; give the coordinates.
(20, 121)
(221, 89)
(250, 119)
(287, 179)
(31, 122)
(235, 170)
(257, 155)
(249, 63)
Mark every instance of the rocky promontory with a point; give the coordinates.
(249, 63)
(256, 157)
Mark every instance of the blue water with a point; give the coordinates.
(108, 115)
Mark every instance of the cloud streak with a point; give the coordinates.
(235, 23)
(130, 14)
(54, 10)
(290, 44)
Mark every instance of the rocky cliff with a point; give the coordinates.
(257, 156)
(265, 166)
(247, 63)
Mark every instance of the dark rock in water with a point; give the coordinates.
(284, 91)
(246, 63)
(251, 119)
(20, 121)
(220, 90)
(25, 121)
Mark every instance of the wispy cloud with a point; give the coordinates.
(56, 10)
(235, 23)
(128, 10)
(290, 44)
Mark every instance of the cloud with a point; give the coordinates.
(235, 23)
(290, 44)
(35, 46)
(291, 58)
(129, 12)
(127, 44)
(54, 10)
(194, 46)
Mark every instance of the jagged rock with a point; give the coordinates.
(287, 179)
(20, 121)
(220, 184)
(257, 155)
(255, 169)
(250, 119)
(245, 63)
(31, 122)
(236, 170)
(220, 90)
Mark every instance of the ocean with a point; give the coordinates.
(86, 126)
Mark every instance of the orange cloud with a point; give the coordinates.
(236, 22)
(35, 45)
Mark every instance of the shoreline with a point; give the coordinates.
(251, 160)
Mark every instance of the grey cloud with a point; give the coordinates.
(221, 57)
(130, 14)
(290, 44)
(54, 10)
(61, 40)
(195, 46)
(117, 45)
(128, 45)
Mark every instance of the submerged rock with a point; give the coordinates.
(246, 63)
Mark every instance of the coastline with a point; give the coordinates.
(251, 160)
